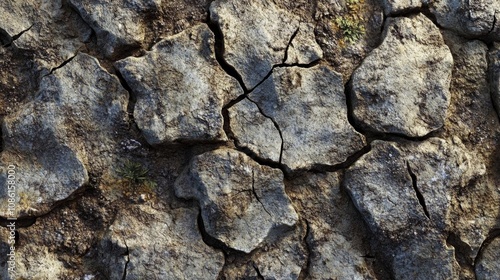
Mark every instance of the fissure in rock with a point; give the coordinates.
(420, 197)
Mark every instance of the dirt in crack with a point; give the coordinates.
(420, 197)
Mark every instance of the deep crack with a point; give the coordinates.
(219, 48)
(289, 44)
(15, 37)
(60, 65)
(420, 197)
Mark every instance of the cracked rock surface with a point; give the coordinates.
(119, 25)
(241, 201)
(63, 134)
(403, 86)
(309, 108)
(266, 139)
(405, 192)
(180, 89)
(51, 30)
(337, 239)
(254, 44)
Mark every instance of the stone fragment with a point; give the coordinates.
(403, 85)
(256, 37)
(180, 89)
(470, 18)
(337, 239)
(50, 29)
(241, 201)
(282, 258)
(255, 131)
(488, 264)
(302, 48)
(400, 186)
(403, 191)
(426, 256)
(144, 243)
(119, 25)
(309, 108)
(66, 132)
(392, 7)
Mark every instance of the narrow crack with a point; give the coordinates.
(420, 197)
(127, 253)
(60, 65)
(304, 273)
(289, 44)
(220, 50)
(15, 37)
(132, 100)
(256, 196)
(259, 275)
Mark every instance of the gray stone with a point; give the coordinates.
(403, 85)
(470, 18)
(254, 44)
(309, 107)
(67, 131)
(424, 257)
(488, 264)
(119, 25)
(255, 131)
(473, 119)
(337, 239)
(404, 191)
(282, 258)
(392, 7)
(241, 201)
(397, 187)
(50, 29)
(180, 89)
(144, 243)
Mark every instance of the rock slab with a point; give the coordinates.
(241, 201)
(180, 89)
(66, 132)
(403, 86)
